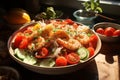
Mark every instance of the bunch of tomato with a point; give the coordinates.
(108, 31)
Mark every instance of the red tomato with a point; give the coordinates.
(116, 33)
(73, 58)
(18, 39)
(109, 31)
(93, 41)
(69, 21)
(42, 53)
(23, 44)
(75, 25)
(91, 51)
(100, 30)
(61, 61)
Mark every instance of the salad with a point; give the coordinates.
(54, 43)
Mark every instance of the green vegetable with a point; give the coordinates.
(83, 53)
(93, 5)
(21, 54)
(47, 63)
(24, 56)
(50, 13)
(30, 59)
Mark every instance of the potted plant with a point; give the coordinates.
(89, 11)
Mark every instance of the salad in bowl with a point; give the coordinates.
(54, 45)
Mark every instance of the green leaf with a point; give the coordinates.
(99, 9)
(92, 1)
(96, 4)
(92, 6)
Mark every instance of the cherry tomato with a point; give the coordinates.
(61, 61)
(100, 30)
(73, 58)
(109, 31)
(23, 44)
(42, 53)
(69, 21)
(93, 41)
(91, 51)
(18, 39)
(75, 25)
(116, 33)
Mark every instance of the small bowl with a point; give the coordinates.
(82, 15)
(104, 25)
(8, 73)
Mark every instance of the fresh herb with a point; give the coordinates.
(50, 13)
(93, 6)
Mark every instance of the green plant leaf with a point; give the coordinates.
(92, 1)
(96, 4)
(92, 6)
(99, 9)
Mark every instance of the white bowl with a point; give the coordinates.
(51, 70)
(104, 25)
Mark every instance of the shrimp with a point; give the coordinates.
(47, 31)
(60, 34)
(71, 44)
(82, 38)
(36, 44)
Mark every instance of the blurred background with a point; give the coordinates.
(109, 6)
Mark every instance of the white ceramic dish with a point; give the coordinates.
(50, 70)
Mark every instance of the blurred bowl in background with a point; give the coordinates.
(8, 73)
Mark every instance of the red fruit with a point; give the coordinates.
(100, 30)
(73, 58)
(61, 61)
(116, 33)
(109, 31)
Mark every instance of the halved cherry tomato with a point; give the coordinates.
(24, 43)
(91, 51)
(73, 58)
(42, 53)
(116, 32)
(100, 30)
(18, 39)
(61, 61)
(109, 31)
(93, 41)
